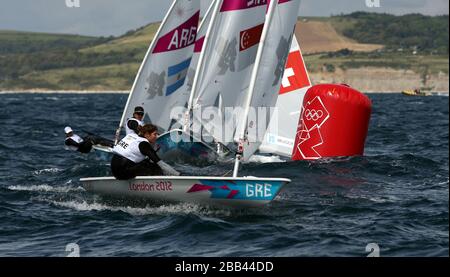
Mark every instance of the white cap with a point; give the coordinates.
(68, 130)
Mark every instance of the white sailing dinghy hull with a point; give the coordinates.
(216, 191)
(103, 152)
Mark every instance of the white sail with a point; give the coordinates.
(280, 136)
(267, 73)
(227, 59)
(159, 84)
(184, 92)
(202, 29)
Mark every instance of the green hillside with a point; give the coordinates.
(133, 40)
(413, 31)
(70, 62)
(12, 42)
(52, 61)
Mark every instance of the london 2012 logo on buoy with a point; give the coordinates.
(314, 115)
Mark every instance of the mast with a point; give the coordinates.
(200, 64)
(149, 51)
(243, 129)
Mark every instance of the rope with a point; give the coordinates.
(226, 173)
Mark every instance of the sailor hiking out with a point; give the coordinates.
(135, 156)
(83, 144)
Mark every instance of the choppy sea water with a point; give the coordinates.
(395, 196)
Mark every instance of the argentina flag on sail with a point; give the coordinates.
(176, 75)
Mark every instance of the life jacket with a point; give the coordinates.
(128, 147)
(130, 131)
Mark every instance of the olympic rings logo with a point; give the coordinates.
(313, 114)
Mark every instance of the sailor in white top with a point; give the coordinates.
(75, 142)
(134, 122)
(134, 156)
(84, 144)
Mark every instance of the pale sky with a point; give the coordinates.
(115, 17)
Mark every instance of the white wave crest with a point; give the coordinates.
(46, 188)
(265, 159)
(375, 199)
(46, 170)
(180, 208)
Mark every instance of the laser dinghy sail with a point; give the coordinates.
(222, 74)
(266, 76)
(280, 136)
(159, 82)
(176, 143)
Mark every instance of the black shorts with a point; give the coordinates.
(85, 147)
(93, 139)
(124, 169)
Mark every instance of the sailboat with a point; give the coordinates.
(261, 29)
(176, 144)
(267, 74)
(280, 135)
(164, 80)
(147, 91)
